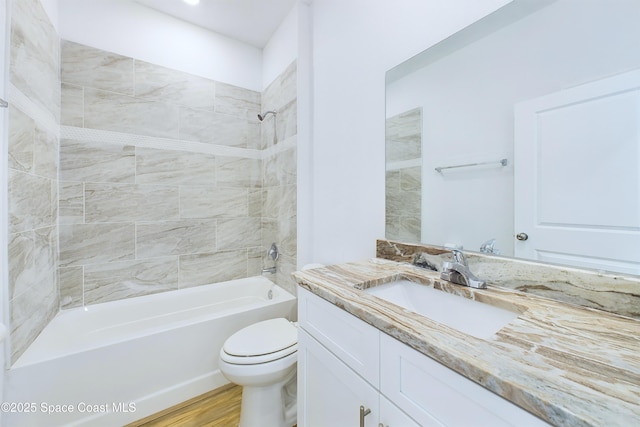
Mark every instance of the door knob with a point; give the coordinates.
(522, 236)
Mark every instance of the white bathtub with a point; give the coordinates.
(120, 361)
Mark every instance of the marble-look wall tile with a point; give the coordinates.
(403, 186)
(129, 202)
(166, 85)
(71, 281)
(280, 202)
(33, 163)
(255, 203)
(96, 162)
(281, 169)
(126, 279)
(72, 107)
(204, 269)
(82, 244)
(282, 90)
(404, 136)
(238, 233)
(256, 261)
(30, 203)
(45, 259)
(270, 233)
(54, 202)
(22, 130)
(216, 225)
(21, 252)
(120, 113)
(237, 101)
(33, 283)
(286, 266)
(31, 311)
(405, 203)
(391, 226)
(405, 228)
(71, 202)
(213, 202)
(154, 166)
(280, 175)
(239, 172)
(254, 141)
(175, 238)
(213, 128)
(282, 232)
(35, 57)
(288, 230)
(90, 67)
(45, 154)
(286, 125)
(411, 179)
(392, 181)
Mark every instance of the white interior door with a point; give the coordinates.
(577, 175)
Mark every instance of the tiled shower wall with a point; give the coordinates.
(34, 95)
(279, 139)
(161, 179)
(404, 176)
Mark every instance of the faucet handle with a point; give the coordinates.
(459, 257)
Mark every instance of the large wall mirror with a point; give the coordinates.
(521, 135)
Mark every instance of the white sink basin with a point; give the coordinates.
(470, 317)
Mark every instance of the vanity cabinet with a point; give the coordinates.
(345, 363)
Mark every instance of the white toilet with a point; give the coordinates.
(262, 358)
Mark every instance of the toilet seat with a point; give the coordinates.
(261, 342)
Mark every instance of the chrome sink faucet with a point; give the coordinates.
(457, 271)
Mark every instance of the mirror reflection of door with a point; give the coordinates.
(576, 149)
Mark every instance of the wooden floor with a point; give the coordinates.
(218, 408)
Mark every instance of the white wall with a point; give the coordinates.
(281, 49)
(51, 8)
(133, 30)
(354, 43)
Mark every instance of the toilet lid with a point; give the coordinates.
(262, 338)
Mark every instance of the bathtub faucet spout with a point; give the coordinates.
(270, 270)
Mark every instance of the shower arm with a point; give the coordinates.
(264, 115)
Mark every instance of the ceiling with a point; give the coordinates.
(250, 21)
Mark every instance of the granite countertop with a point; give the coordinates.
(569, 365)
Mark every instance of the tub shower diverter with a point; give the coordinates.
(468, 316)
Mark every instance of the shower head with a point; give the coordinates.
(263, 116)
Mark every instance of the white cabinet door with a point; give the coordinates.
(391, 416)
(330, 394)
(577, 175)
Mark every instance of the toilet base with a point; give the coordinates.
(264, 406)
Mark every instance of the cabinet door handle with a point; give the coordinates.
(363, 413)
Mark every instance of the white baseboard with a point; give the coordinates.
(156, 402)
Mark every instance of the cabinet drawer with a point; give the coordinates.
(433, 394)
(353, 341)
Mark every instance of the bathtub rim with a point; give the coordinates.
(26, 359)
